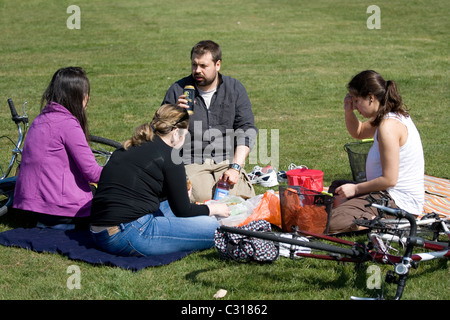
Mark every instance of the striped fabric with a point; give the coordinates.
(437, 195)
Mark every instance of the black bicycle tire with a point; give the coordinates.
(3, 210)
(6, 194)
(313, 245)
(105, 141)
(4, 203)
(102, 148)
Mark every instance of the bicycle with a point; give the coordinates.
(7, 182)
(101, 147)
(331, 248)
(431, 225)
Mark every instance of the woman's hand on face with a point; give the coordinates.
(348, 103)
(219, 210)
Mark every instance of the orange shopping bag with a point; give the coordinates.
(309, 214)
(268, 209)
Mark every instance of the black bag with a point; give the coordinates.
(243, 248)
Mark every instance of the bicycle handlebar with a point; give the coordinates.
(22, 125)
(400, 213)
(15, 116)
(12, 108)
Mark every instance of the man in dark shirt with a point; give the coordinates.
(222, 129)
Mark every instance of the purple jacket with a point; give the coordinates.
(57, 166)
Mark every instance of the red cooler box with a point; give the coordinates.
(309, 178)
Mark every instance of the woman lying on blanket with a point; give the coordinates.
(395, 163)
(57, 163)
(127, 218)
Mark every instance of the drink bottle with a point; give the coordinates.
(222, 189)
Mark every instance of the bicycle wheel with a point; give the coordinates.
(428, 227)
(103, 148)
(6, 194)
(320, 246)
(4, 199)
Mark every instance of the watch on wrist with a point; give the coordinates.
(235, 166)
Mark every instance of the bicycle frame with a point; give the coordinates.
(22, 126)
(374, 251)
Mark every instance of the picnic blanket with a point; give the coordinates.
(437, 195)
(78, 245)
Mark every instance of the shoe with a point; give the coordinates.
(293, 166)
(282, 176)
(257, 172)
(265, 177)
(268, 180)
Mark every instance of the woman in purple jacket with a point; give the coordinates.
(57, 162)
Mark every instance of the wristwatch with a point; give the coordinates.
(235, 166)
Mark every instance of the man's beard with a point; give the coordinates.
(204, 82)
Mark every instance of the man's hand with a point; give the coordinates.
(182, 102)
(231, 175)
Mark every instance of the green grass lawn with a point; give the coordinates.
(295, 59)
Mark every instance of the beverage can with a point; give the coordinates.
(189, 92)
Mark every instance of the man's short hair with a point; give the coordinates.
(206, 46)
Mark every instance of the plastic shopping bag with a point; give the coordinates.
(268, 209)
(303, 210)
(239, 210)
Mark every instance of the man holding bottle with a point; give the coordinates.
(222, 128)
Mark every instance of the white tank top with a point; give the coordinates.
(409, 192)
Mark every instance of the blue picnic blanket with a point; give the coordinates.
(78, 245)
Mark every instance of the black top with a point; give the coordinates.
(134, 181)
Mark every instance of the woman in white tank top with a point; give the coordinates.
(395, 163)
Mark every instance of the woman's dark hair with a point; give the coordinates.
(370, 82)
(69, 87)
(167, 118)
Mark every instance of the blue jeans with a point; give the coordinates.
(158, 233)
